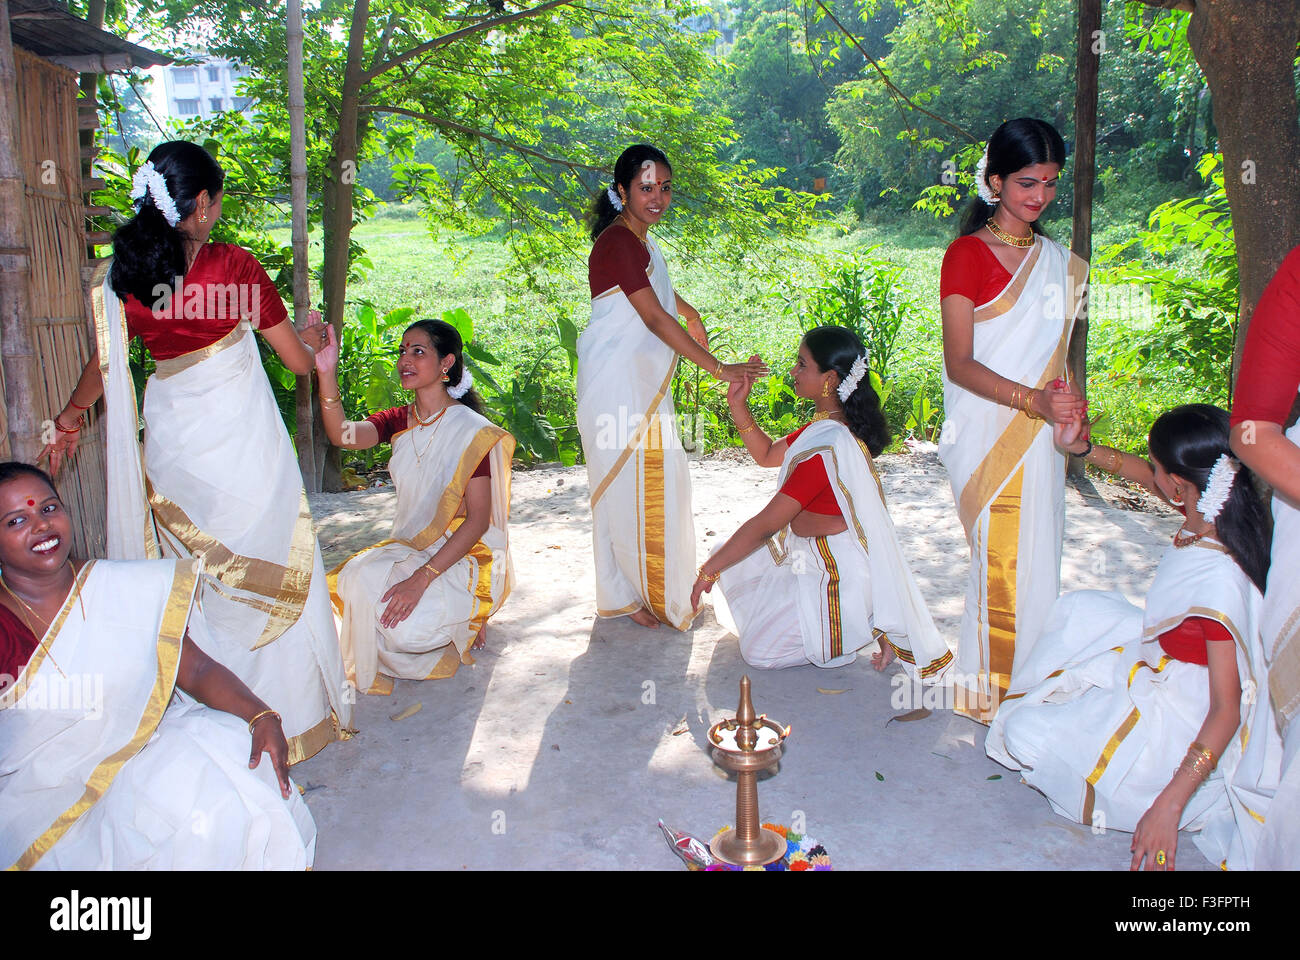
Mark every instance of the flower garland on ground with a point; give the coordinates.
(802, 852)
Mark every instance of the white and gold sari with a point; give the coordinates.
(643, 532)
(105, 765)
(218, 480)
(1007, 477)
(1099, 717)
(819, 600)
(431, 466)
(1280, 848)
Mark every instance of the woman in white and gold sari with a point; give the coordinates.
(1261, 407)
(1009, 298)
(123, 745)
(413, 605)
(1113, 697)
(217, 477)
(643, 533)
(819, 573)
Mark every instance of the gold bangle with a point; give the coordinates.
(265, 713)
(1203, 751)
(428, 565)
(325, 399)
(753, 425)
(718, 373)
(997, 385)
(705, 577)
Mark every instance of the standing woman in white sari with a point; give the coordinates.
(819, 573)
(218, 478)
(1113, 697)
(1261, 407)
(643, 533)
(413, 604)
(1009, 298)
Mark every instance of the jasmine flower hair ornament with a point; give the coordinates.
(1218, 487)
(981, 184)
(148, 180)
(462, 388)
(613, 198)
(850, 383)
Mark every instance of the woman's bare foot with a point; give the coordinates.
(645, 618)
(884, 656)
(481, 640)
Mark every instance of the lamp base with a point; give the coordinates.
(768, 847)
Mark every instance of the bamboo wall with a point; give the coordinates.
(60, 326)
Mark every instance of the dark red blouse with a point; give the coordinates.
(809, 484)
(390, 423)
(17, 644)
(1188, 640)
(225, 285)
(618, 259)
(1270, 362)
(972, 270)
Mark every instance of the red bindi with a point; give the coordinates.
(31, 503)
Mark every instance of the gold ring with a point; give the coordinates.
(1160, 858)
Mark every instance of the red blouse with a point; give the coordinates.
(17, 644)
(809, 484)
(225, 285)
(618, 259)
(1188, 640)
(390, 423)
(971, 269)
(1270, 362)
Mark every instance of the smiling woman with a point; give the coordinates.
(124, 745)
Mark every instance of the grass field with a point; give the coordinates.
(748, 311)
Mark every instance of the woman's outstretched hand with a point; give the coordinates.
(60, 449)
(738, 390)
(327, 357)
(748, 371)
(695, 327)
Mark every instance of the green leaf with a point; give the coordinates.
(880, 776)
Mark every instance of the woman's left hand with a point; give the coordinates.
(402, 599)
(327, 357)
(1156, 833)
(268, 737)
(695, 327)
(701, 587)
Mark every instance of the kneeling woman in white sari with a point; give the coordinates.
(1113, 697)
(123, 745)
(412, 605)
(819, 574)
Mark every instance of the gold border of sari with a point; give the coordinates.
(171, 633)
(634, 442)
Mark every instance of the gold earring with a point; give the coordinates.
(826, 388)
(445, 378)
(203, 217)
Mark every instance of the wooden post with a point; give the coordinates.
(17, 351)
(90, 94)
(1089, 46)
(301, 290)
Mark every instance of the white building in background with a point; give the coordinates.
(205, 89)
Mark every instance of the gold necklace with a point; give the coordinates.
(824, 415)
(415, 412)
(1010, 238)
(432, 422)
(40, 636)
(1186, 541)
(628, 223)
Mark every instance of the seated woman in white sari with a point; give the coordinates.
(413, 604)
(1113, 697)
(122, 744)
(819, 574)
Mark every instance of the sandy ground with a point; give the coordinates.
(571, 736)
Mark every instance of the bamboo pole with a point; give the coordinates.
(301, 290)
(17, 351)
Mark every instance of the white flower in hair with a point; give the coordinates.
(1218, 487)
(613, 198)
(981, 184)
(463, 387)
(850, 383)
(148, 180)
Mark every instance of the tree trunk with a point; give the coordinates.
(17, 352)
(306, 432)
(1088, 50)
(1247, 52)
(337, 203)
(90, 93)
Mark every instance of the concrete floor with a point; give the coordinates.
(570, 737)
